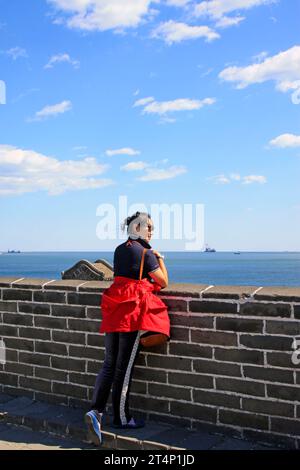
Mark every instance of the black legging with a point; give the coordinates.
(121, 352)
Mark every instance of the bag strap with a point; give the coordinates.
(142, 263)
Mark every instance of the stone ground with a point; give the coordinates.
(27, 424)
(19, 438)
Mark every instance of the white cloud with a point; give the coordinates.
(172, 31)
(286, 141)
(158, 174)
(223, 179)
(52, 110)
(227, 21)
(254, 179)
(103, 15)
(180, 104)
(283, 68)
(26, 171)
(134, 166)
(143, 101)
(122, 151)
(177, 3)
(218, 8)
(16, 52)
(62, 58)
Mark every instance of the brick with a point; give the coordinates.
(138, 386)
(285, 426)
(11, 355)
(68, 337)
(84, 299)
(281, 359)
(246, 420)
(216, 368)
(216, 398)
(229, 292)
(239, 355)
(176, 305)
(169, 391)
(49, 297)
(35, 384)
(177, 349)
(269, 374)
(68, 364)
(51, 322)
(82, 379)
(297, 311)
(35, 309)
(8, 306)
(268, 407)
(275, 343)
(69, 390)
(30, 283)
(290, 328)
(150, 375)
(17, 319)
(7, 330)
(83, 325)
(20, 344)
(35, 333)
(179, 334)
(63, 284)
(95, 286)
(237, 324)
(94, 367)
(265, 309)
(84, 352)
(149, 404)
(94, 313)
(181, 289)
(283, 392)
(5, 281)
(192, 321)
(204, 306)
(194, 411)
(245, 387)
(96, 340)
(8, 379)
(67, 311)
(16, 294)
(51, 348)
(51, 374)
(214, 337)
(20, 369)
(172, 363)
(192, 380)
(286, 294)
(34, 358)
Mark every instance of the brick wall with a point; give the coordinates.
(228, 365)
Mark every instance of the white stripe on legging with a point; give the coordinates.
(126, 379)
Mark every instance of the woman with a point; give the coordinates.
(129, 309)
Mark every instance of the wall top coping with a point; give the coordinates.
(203, 291)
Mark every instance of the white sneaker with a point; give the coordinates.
(93, 421)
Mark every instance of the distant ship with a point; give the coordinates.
(236, 252)
(209, 250)
(13, 251)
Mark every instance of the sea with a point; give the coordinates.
(219, 268)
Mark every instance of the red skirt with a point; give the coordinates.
(130, 305)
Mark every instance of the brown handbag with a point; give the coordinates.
(150, 338)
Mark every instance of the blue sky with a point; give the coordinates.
(165, 102)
